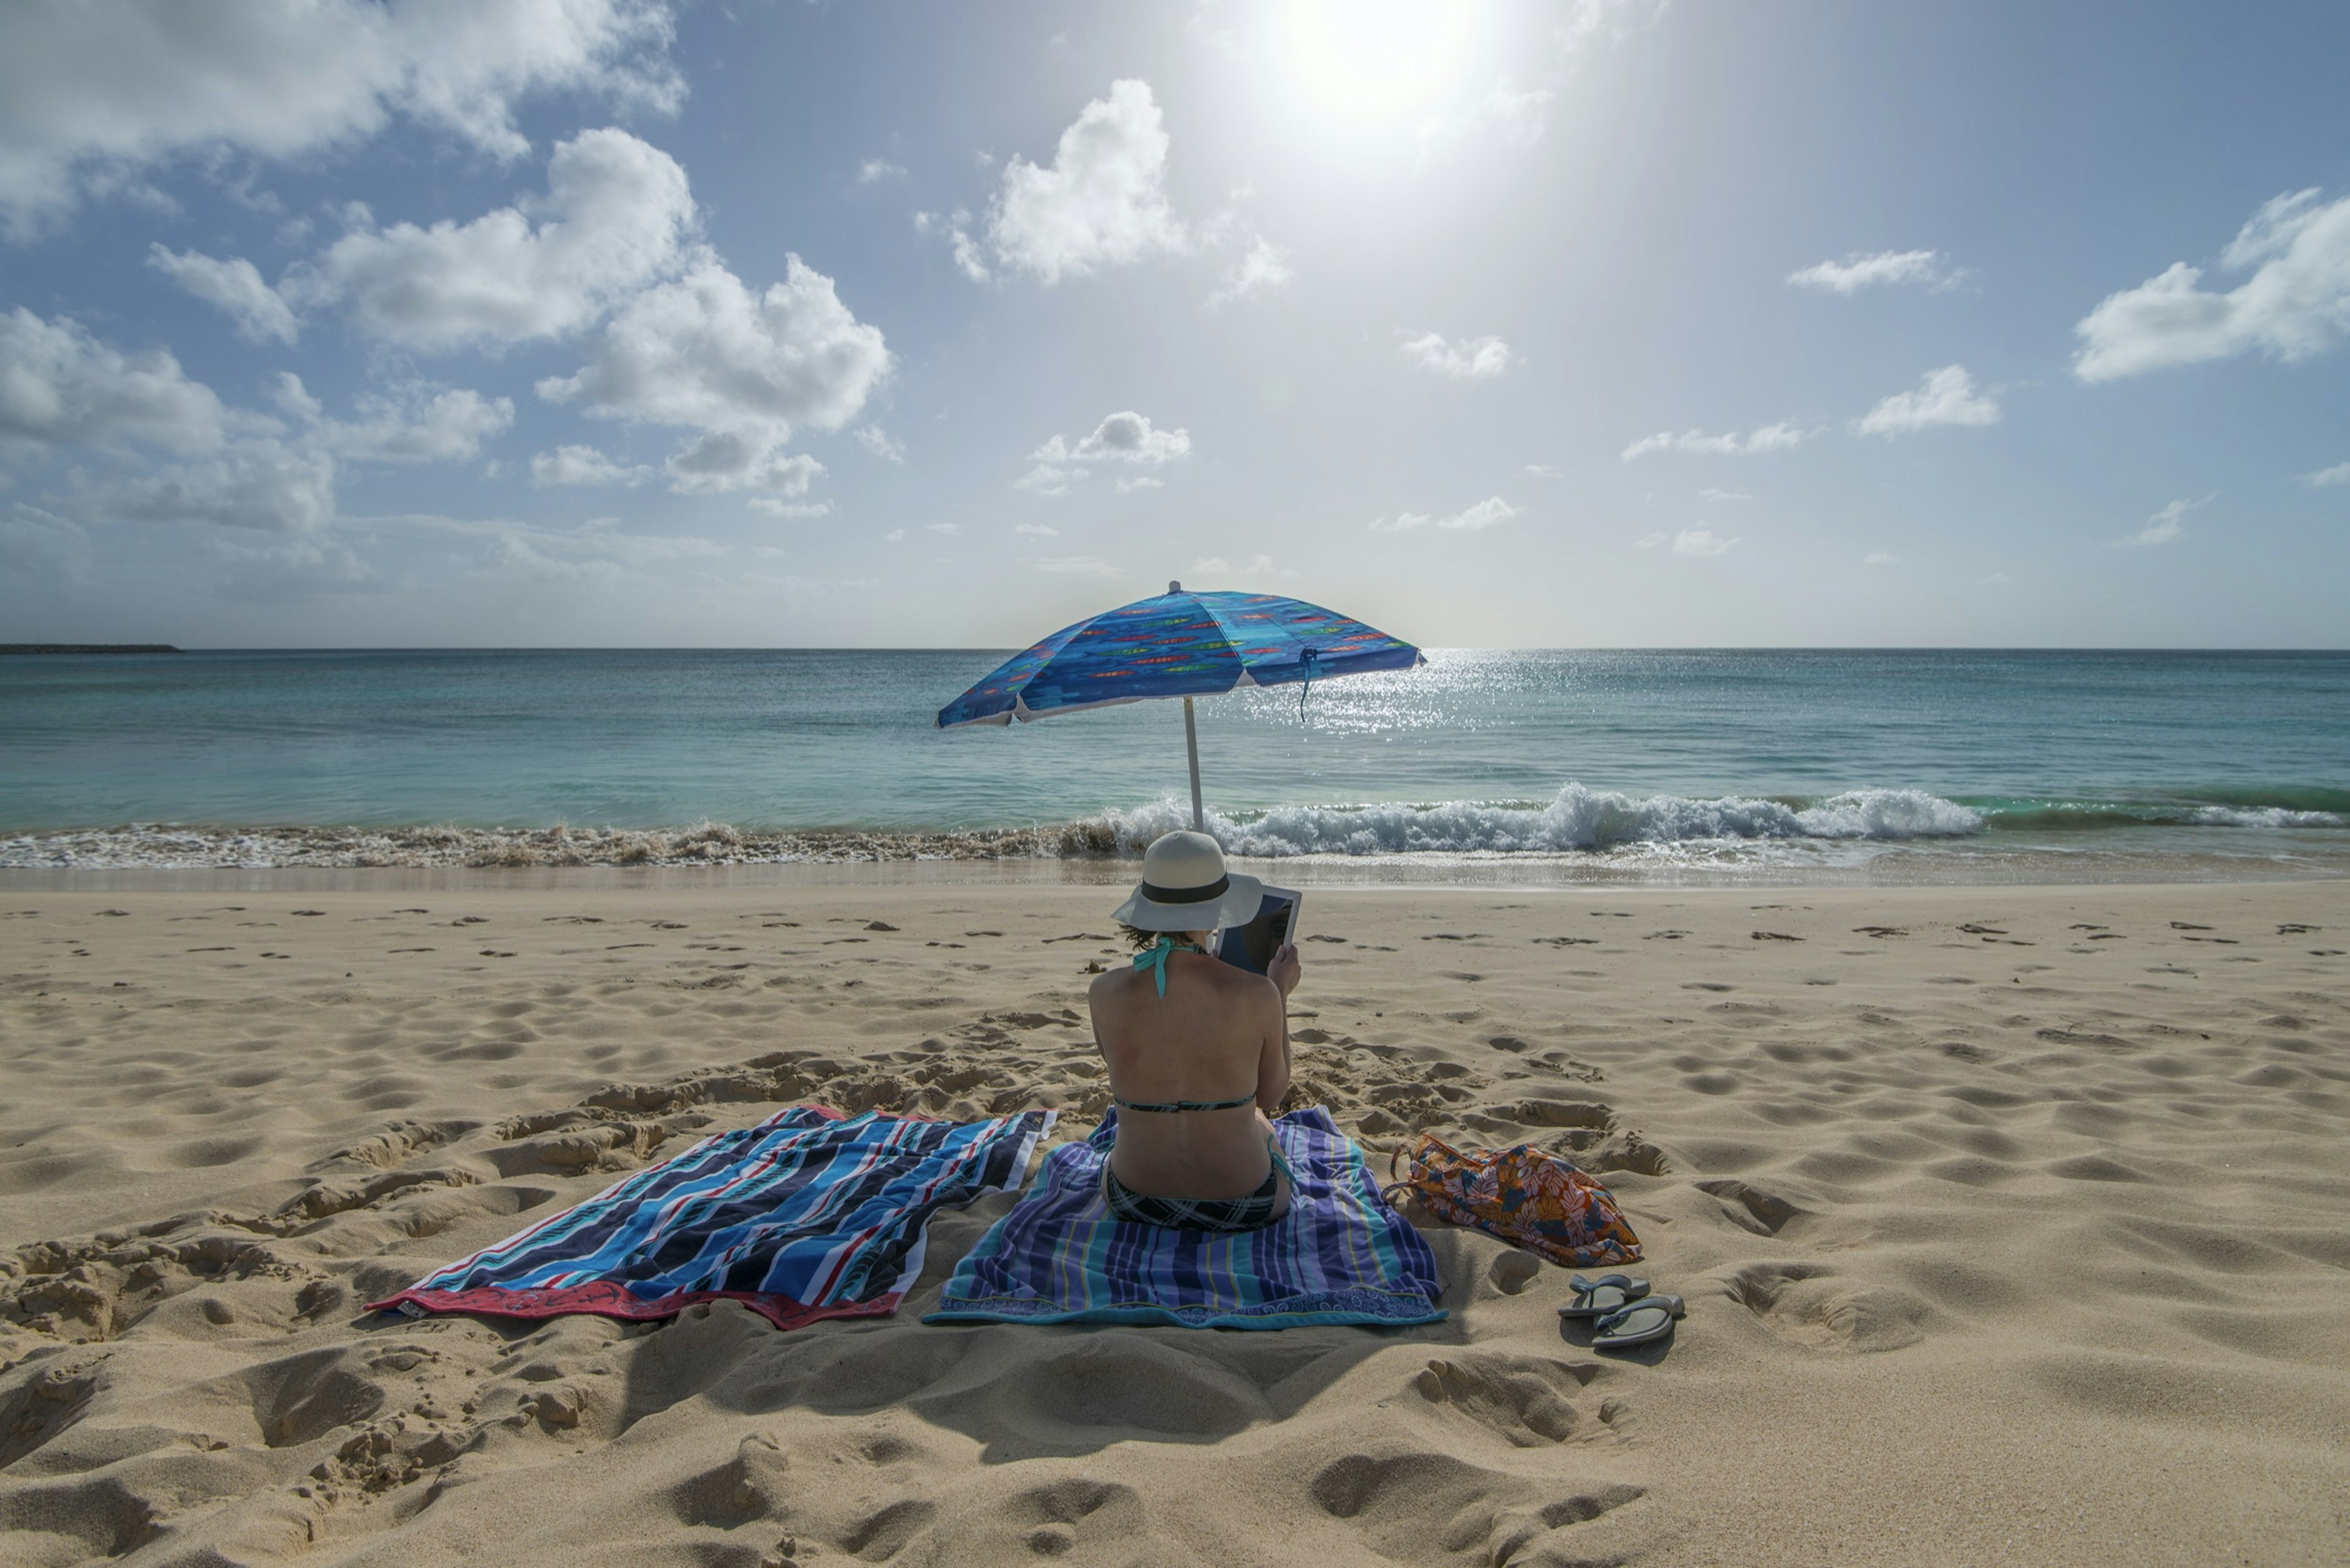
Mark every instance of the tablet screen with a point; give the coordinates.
(1251, 946)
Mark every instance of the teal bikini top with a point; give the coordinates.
(1154, 958)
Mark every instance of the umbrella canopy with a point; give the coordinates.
(1178, 644)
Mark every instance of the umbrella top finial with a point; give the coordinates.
(1174, 587)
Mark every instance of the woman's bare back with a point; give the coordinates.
(1220, 1033)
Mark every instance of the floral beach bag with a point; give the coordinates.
(1527, 1197)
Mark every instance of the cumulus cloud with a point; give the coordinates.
(1518, 116)
(1768, 438)
(1946, 397)
(1873, 269)
(1878, 558)
(61, 386)
(583, 465)
(880, 443)
(1700, 542)
(1263, 265)
(790, 509)
(705, 353)
(1079, 566)
(261, 314)
(90, 95)
(256, 483)
(618, 214)
(1125, 437)
(1101, 203)
(2338, 474)
(1037, 530)
(1710, 494)
(1485, 514)
(873, 170)
(416, 424)
(1139, 481)
(1471, 359)
(1218, 567)
(2166, 525)
(1544, 471)
(2295, 303)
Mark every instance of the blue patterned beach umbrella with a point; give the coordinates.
(1178, 644)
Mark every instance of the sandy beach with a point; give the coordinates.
(2010, 1221)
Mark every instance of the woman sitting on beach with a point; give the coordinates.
(1198, 1051)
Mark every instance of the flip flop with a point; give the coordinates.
(1597, 1298)
(1641, 1323)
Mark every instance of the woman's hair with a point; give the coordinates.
(1142, 941)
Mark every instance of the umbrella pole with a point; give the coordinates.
(1191, 746)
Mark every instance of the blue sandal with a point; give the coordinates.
(1641, 1323)
(1607, 1293)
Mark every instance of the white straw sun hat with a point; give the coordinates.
(1185, 887)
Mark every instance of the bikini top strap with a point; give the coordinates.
(1154, 958)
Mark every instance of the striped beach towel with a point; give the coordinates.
(806, 1216)
(1340, 1255)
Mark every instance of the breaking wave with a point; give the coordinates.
(1578, 819)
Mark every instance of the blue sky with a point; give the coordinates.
(609, 322)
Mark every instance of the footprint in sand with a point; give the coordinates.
(1813, 1305)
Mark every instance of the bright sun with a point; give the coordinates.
(1374, 59)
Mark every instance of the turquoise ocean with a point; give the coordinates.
(1918, 763)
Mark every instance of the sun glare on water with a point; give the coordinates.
(1374, 59)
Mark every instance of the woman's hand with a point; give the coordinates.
(1284, 969)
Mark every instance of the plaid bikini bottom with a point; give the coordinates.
(1253, 1212)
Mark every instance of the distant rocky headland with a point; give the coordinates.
(87, 648)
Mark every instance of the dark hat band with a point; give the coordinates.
(1158, 895)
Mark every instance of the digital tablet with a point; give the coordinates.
(1250, 946)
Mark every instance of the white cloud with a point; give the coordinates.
(1518, 116)
(1139, 481)
(1049, 478)
(1710, 494)
(2296, 303)
(583, 465)
(725, 461)
(91, 95)
(1079, 566)
(61, 386)
(1700, 542)
(1768, 438)
(705, 353)
(257, 483)
(2338, 474)
(792, 509)
(1037, 530)
(1217, 566)
(1878, 558)
(873, 170)
(261, 314)
(895, 536)
(1946, 397)
(880, 443)
(941, 528)
(1264, 266)
(1485, 514)
(1543, 470)
(1102, 202)
(1859, 271)
(2166, 525)
(1471, 359)
(419, 424)
(1650, 541)
(1125, 437)
(618, 214)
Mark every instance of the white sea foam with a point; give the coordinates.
(2265, 816)
(1578, 819)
